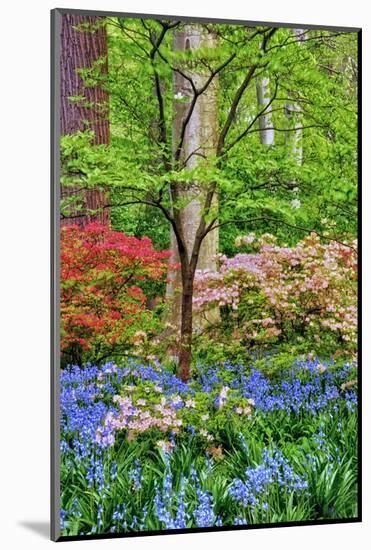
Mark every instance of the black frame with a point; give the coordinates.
(55, 273)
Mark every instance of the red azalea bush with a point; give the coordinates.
(102, 302)
(303, 293)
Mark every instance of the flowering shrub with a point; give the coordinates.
(102, 302)
(161, 416)
(281, 293)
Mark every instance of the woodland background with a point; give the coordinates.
(202, 386)
(194, 136)
(28, 518)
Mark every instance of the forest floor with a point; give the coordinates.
(141, 450)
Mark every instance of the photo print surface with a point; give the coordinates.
(205, 204)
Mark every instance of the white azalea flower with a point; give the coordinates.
(179, 96)
(248, 239)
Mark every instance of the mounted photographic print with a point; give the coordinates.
(205, 207)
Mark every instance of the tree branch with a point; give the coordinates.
(290, 129)
(292, 226)
(185, 122)
(287, 42)
(162, 119)
(233, 109)
(246, 131)
(196, 94)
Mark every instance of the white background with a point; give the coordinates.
(24, 272)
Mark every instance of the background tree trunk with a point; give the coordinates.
(294, 138)
(199, 142)
(265, 121)
(81, 48)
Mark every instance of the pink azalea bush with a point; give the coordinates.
(135, 420)
(145, 410)
(276, 293)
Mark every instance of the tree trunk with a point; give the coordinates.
(82, 48)
(185, 352)
(200, 141)
(265, 120)
(294, 138)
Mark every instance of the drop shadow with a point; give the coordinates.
(41, 528)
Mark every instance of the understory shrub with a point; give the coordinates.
(304, 295)
(103, 304)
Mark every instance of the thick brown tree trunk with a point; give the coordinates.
(200, 141)
(83, 44)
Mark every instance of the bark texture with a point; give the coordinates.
(199, 142)
(82, 49)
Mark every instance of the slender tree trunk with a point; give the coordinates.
(294, 138)
(81, 47)
(200, 141)
(185, 352)
(265, 121)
